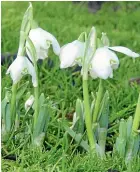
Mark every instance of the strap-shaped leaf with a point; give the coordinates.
(3, 108)
(41, 100)
(132, 147)
(129, 126)
(41, 121)
(122, 139)
(7, 118)
(104, 111)
(79, 126)
(21, 90)
(102, 134)
(77, 137)
(121, 146)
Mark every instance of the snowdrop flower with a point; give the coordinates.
(42, 41)
(105, 61)
(20, 67)
(29, 102)
(71, 53)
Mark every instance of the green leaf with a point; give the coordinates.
(104, 111)
(122, 129)
(102, 134)
(79, 126)
(41, 100)
(121, 146)
(132, 147)
(21, 90)
(42, 121)
(4, 102)
(122, 139)
(77, 137)
(129, 126)
(7, 118)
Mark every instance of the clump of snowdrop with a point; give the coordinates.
(99, 59)
(36, 43)
(103, 61)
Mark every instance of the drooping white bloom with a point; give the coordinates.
(42, 41)
(105, 61)
(29, 102)
(20, 67)
(70, 53)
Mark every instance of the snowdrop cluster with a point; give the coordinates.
(103, 61)
(96, 57)
(42, 41)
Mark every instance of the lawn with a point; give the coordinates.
(61, 87)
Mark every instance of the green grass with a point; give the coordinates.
(66, 21)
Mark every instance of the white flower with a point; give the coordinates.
(29, 102)
(103, 63)
(42, 41)
(70, 53)
(20, 67)
(105, 60)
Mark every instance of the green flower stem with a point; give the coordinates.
(13, 103)
(88, 115)
(136, 120)
(98, 101)
(36, 89)
(36, 92)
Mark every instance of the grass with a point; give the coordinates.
(66, 21)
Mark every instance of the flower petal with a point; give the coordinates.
(20, 67)
(101, 63)
(17, 69)
(125, 51)
(70, 53)
(42, 41)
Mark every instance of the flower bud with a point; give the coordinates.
(29, 102)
